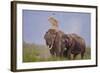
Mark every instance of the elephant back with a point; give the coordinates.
(78, 40)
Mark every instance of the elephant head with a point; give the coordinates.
(67, 40)
(53, 41)
(50, 37)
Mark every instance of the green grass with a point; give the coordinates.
(38, 53)
(87, 53)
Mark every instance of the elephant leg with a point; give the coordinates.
(62, 52)
(69, 54)
(52, 52)
(82, 55)
(74, 56)
(57, 53)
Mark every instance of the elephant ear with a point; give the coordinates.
(58, 36)
(58, 40)
(68, 40)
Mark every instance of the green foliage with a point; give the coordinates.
(38, 53)
(87, 53)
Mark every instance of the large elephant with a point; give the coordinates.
(57, 41)
(53, 41)
(75, 45)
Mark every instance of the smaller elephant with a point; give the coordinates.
(74, 45)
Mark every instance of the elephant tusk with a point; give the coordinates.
(50, 47)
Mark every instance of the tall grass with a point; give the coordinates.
(38, 53)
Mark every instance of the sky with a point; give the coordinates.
(35, 24)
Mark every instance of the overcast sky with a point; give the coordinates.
(35, 24)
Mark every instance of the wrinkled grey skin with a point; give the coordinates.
(53, 41)
(75, 45)
(57, 41)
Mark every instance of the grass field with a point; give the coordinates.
(38, 53)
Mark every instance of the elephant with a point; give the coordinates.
(75, 45)
(53, 41)
(62, 44)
